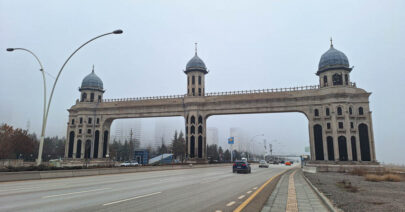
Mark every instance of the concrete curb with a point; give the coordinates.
(323, 198)
(38, 175)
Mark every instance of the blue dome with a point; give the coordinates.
(196, 64)
(92, 82)
(333, 59)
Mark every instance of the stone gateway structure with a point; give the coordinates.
(339, 117)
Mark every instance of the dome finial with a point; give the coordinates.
(195, 48)
(331, 42)
(93, 69)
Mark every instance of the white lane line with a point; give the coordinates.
(241, 197)
(230, 204)
(218, 211)
(26, 188)
(137, 197)
(79, 192)
(249, 192)
(255, 188)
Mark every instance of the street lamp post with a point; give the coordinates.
(46, 108)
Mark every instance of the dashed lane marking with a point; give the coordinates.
(72, 193)
(218, 211)
(255, 188)
(241, 197)
(230, 204)
(137, 197)
(249, 192)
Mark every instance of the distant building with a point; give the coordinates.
(141, 156)
(212, 136)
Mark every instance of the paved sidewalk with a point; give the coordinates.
(293, 193)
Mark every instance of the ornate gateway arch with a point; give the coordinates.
(339, 117)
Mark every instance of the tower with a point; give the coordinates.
(196, 71)
(91, 89)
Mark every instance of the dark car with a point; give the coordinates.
(241, 166)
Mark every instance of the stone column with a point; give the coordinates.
(371, 136)
(335, 127)
(311, 138)
(348, 138)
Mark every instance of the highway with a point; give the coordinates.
(197, 189)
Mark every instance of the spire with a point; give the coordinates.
(195, 48)
(93, 69)
(331, 42)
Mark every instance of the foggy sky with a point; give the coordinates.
(245, 45)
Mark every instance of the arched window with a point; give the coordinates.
(192, 119)
(91, 97)
(337, 79)
(354, 148)
(192, 146)
(71, 141)
(199, 91)
(105, 143)
(200, 129)
(325, 80)
(339, 111)
(87, 149)
(79, 149)
(318, 142)
(193, 80)
(73, 121)
(200, 120)
(364, 142)
(193, 91)
(331, 152)
(84, 96)
(199, 80)
(342, 148)
(96, 142)
(192, 128)
(350, 110)
(200, 146)
(361, 112)
(316, 112)
(98, 121)
(99, 98)
(327, 111)
(346, 79)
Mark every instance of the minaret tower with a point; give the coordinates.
(196, 71)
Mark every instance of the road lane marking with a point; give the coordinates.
(241, 197)
(218, 211)
(255, 188)
(249, 192)
(79, 192)
(248, 200)
(230, 204)
(137, 197)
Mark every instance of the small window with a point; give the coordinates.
(350, 110)
(339, 111)
(327, 112)
(328, 126)
(193, 80)
(199, 91)
(199, 80)
(346, 79)
(200, 129)
(73, 121)
(91, 97)
(316, 112)
(340, 125)
(99, 98)
(89, 131)
(361, 112)
(193, 91)
(325, 80)
(192, 120)
(81, 120)
(84, 96)
(351, 125)
(337, 79)
(98, 121)
(80, 131)
(200, 120)
(89, 121)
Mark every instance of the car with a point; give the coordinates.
(241, 166)
(288, 163)
(129, 163)
(263, 164)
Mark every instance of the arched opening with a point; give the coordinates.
(71, 141)
(354, 148)
(87, 149)
(350, 110)
(96, 141)
(361, 112)
(84, 96)
(325, 80)
(200, 129)
(331, 152)
(346, 79)
(193, 80)
(199, 80)
(79, 149)
(316, 112)
(192, 119)
(318, 142)
(91, 97)
(200, 146)
(339, 111)
(200, 120)
(337, 79)
(192, 147)
(342, 148)
(364, 143)
(192, 128)
(105, 143)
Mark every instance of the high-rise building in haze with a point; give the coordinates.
(212, 135)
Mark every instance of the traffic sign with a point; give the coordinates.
(231, 140)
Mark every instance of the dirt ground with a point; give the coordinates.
(353, 193)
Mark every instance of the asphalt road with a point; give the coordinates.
(198, 189)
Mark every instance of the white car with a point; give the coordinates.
(263, 164)
(129, 163)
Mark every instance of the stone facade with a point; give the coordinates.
(339, 117)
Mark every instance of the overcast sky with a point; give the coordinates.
(245, 44)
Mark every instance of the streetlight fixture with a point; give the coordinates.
(46, 107)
